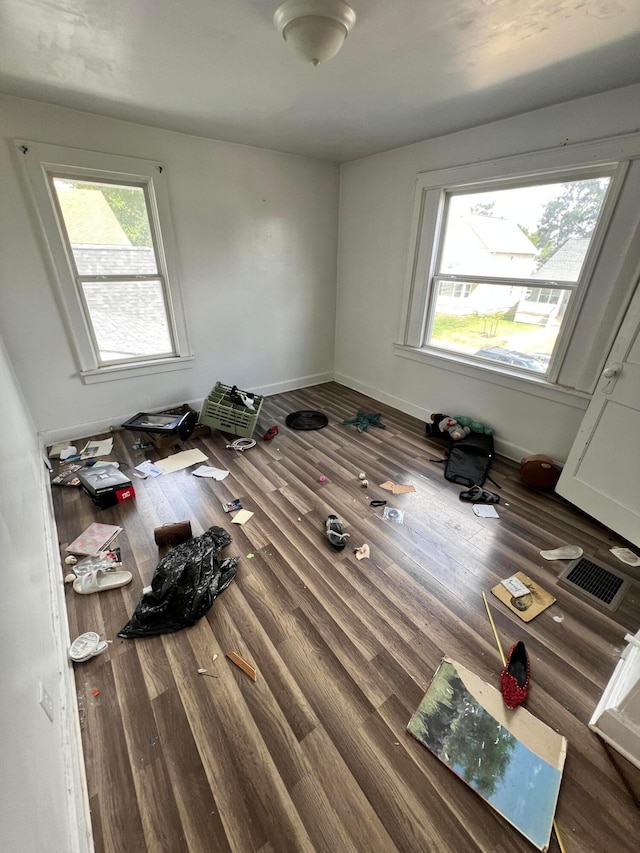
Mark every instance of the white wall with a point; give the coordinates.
(376, 206)
(41, 767)
(257, 237)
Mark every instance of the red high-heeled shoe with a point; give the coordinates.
(270, 433)
(514, 677)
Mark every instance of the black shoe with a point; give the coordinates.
(333, 529)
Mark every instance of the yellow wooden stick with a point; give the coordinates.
(504, 663)
(560, 844)
(495, 633)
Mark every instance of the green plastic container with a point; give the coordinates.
(219, 412)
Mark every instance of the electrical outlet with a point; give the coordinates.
(45, 700)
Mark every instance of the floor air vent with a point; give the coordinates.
(601, 585)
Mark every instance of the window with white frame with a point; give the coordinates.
(107, 226)
(504, 255)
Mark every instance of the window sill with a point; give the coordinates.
(496, 375)
(135, 369)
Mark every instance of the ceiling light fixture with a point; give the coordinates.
(315, 29)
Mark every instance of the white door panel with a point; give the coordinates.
(602, 473)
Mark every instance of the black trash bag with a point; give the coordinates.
(185, 584)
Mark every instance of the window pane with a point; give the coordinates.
(129, 319)
(539, 232)
(499, 323)
(107, 226)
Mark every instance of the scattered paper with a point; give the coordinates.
(57, 449)
(181, 460)
(148, 469)
(241, 517)
(69, 452)
(485, 511)
(515, 586)
(97, 448)
(397, 489)
(626, 556)
(208, 471)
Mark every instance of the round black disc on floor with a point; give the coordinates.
(306, 420)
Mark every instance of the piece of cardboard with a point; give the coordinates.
(397, 489)
(528, 606)
(241, 517)
(181, 460)
(509, 758)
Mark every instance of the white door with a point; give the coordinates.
(602, 473)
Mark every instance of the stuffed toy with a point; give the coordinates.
(474, 426)
(444, 423)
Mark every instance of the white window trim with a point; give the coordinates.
(594, 316)
(39, 160)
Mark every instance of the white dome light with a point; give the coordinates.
(315, 29)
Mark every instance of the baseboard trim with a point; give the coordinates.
(78, 810)
(91, 428)
(294, 384)
(504, 448)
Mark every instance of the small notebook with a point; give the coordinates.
(96, 538)
(527, 607)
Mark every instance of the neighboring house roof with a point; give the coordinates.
(114, 260)
(88, 217)
(566, 262)
(500, 236)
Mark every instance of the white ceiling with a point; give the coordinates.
(410, 70)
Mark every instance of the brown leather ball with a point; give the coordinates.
(539, 472)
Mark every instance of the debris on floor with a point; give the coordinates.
(391, 513)
(180, 461)
(86, 646)
(396, 488)
(94, 540)
(364, 420)
(626, 556)
(527, 607)
(463, 722)
(241, 444)
(184, 586)
(334, 532)
(306, 420)
(565, 552)
(483, 511)
(362, 553)
(244, 665)
(208, 674)
(173, 533)
(242, 516)
(209, 471)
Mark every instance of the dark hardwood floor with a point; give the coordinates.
(314, 756)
